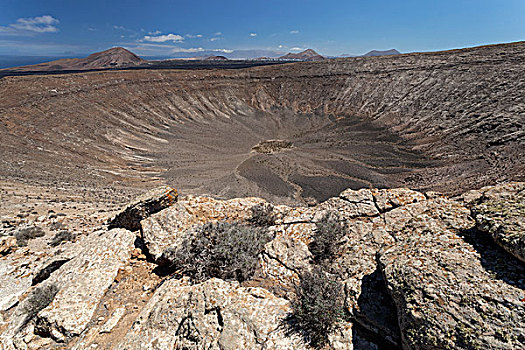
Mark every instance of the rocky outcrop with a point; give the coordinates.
(211, 315)
(77, 287)
(500, 212)
(416, 270)
(167, 228)
(144, 206)
(445, 297)
(72, 307)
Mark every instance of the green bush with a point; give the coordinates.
(262, 215)
(224, 250)
(61, 237)
(38, 300)
(318, 308)
(326, 238)
(25, 234)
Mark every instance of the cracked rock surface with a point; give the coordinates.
(500, 212)
(417, 272)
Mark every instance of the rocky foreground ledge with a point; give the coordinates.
(416, 270)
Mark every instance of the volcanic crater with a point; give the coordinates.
(446, 121)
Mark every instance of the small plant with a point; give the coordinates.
(262, 215)
(317, 309)
(56, 226)
(61, 237)
(25, 234)
(224, 250)
(326, 238)
(38, 300)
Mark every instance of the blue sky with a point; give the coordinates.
(169, 28)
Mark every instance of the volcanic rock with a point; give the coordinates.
(500, 212)
(144, 206)
(7, 244)
(211, 315)
(444, 295)
(78, 287)
(169, 227)
(416, 274)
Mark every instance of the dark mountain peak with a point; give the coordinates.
(216, 58)
(116, 57)
(306, 55)
(382, 53)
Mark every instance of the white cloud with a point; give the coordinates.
(164, 38)
(191, 36)
(119, 27)
(214, 39)
(198, 49)
(160, 49)
(223, 50)
(253, 34)
(91, 29)
(41, 24)
(296, 49)
(294, 32)
(182, 49)
(217, 33)
(156, 32)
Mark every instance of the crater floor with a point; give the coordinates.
(329, 154)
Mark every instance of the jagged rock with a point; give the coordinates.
(500, 212)
(167, 228)
(366, 296)
(445, 297)
(145, 205)
(389, 199)
(83, 281)
(416, 274)
(7, 244)
(360, 203)
(211, 315)
(113, 320)
(76, 287)
(280, 264)
(14, 281)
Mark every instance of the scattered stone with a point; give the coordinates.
(7, 244)
(113, 320)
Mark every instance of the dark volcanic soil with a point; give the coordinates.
(447, 121)
(329, 155)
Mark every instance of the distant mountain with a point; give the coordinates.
(381, 53)
(216, 58)
(116, 57)
(306, 55)
(231, 55)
